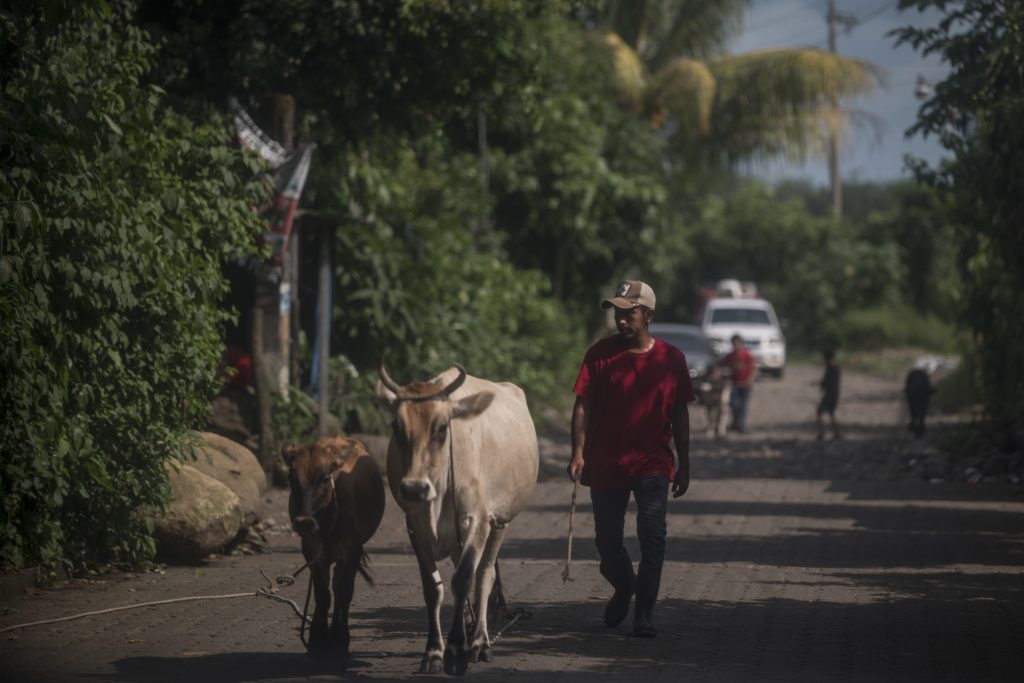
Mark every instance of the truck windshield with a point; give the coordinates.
(740, 316)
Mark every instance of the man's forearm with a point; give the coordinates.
(681, 436)
(580, 416)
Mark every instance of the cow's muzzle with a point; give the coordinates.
(305, 525)
(416, 490)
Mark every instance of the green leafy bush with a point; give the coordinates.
(417, 284)
(116, 215)
(894, 326)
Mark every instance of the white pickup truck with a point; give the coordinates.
(752, 319)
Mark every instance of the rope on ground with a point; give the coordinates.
(572, 513)
(261, 592)
(517, 614)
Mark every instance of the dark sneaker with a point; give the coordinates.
(618, 605)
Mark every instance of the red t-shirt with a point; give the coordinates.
(631, 399)
(741, 364)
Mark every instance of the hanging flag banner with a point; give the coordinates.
(251, 137)
(289, 177)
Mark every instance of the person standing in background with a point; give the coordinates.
(742, 373)
(830, 395)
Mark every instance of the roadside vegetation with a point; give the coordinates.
(493, 170)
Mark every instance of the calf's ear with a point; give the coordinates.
(471, 406)
(340, 457)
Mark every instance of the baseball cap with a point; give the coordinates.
(631, 293)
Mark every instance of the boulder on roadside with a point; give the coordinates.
(244, 458)
(236, 467)
(203, 515)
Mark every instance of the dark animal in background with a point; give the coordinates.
(336, 504)
(918, 390)
(462, 463)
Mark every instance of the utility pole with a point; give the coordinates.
(284, 131)
(848, 21)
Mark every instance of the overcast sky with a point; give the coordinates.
(777, 23)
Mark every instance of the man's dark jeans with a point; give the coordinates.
(651, 495)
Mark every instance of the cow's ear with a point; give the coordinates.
(471, 406)
(340, 458)
(385, 397)
(288, 453)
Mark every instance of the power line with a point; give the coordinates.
(777, 21)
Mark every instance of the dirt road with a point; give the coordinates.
(789, 560)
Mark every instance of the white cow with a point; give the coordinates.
(485, 430)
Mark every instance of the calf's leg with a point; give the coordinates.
(344, 589)
(319, 642)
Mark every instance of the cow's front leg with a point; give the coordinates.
(433, 593)
(485, 575)
(344, 589)
(456, 655)
(319, 641)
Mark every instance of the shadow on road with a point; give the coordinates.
(233, 667)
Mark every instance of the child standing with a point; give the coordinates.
(830, 395)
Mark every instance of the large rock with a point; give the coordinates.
(240, 455)
(203, 516)
(236, 467)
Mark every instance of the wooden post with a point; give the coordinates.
(270, 321)
(294, 317)
(263, 400)
(324, 331)
(284, 132)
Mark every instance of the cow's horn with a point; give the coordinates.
(456, 383)
(386, 378)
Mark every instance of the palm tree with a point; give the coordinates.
(719, 109)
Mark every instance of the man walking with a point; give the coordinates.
(631, 401)
(742, 373)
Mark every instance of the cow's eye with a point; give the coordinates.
(440, 431)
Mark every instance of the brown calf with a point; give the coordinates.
(336, 504)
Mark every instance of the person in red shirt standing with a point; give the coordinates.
(742, 373)
(631, 402)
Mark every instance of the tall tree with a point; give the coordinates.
(976, 113)
(718, 109)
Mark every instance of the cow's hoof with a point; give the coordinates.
(431, 664)
(341, 662)
(485, 654)
(318, 650)
(456, 662)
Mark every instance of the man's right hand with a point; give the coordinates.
(575, 468)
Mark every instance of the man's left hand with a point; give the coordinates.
(680, 483)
